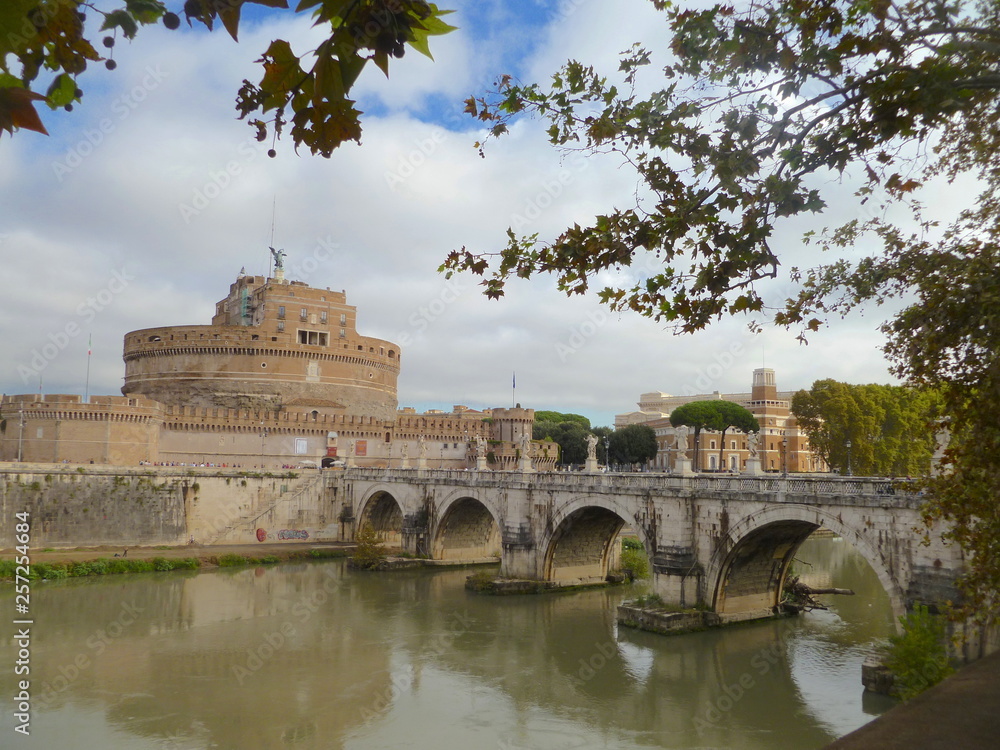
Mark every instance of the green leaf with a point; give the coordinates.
(145, 11)
(120, 19)
(62, 91)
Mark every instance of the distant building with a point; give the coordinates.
(281, 377)
(783, 446)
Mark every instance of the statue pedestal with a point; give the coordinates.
(682, 466)
(753, 466)
(524, 465)
(481, 464)
(422, 462)
(591, 466)
(404, 462)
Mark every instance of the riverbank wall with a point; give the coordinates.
(70, 505)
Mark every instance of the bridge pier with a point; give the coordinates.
(677, 576)
(519, 557)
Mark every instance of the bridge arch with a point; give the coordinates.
(580, 544)
(747, 570)
(467, 529)
(384, 513)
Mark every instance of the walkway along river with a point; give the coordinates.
(312, 656)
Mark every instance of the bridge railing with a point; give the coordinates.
(814, 484)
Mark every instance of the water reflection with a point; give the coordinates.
(314, 656)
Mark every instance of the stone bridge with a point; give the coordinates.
(720, 541)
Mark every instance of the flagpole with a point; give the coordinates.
(86, 392)
(513, 387)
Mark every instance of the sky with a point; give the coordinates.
(144, 202)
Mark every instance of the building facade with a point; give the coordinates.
(781, 446)
(280, 378)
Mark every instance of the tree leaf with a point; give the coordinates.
(18, 111)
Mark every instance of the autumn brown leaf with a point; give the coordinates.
(18, 111)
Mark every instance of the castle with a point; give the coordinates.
(280, 378)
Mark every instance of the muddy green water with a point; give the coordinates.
(314, 656)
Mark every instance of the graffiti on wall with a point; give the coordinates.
(263, 536)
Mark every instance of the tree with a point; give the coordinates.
(759, 109)
(555, 416)
(369, 553)
(890, 427)
(731, 414)
(701, 415)
(634, 444)
(307, 93)
(570, 435)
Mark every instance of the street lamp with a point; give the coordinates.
(784, 447)
(849, 472)
(607, 455)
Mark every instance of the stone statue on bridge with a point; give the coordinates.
(423, 447)
(525, 444)
(591, 447)
(480, 446)
(681, 439)
(753, 443)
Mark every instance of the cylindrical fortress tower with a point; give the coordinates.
(271, 344)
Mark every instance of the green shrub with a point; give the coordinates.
(8, 569)
(369, 554)
(162, 564)
(188, 563)
(99, 567)
(232, 560)
(117, 565)
(80, 569)
(48, 570)
(270, 559)
(631, 543)
(634, 562)
(918, 657)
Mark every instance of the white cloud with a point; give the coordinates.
(390, 210)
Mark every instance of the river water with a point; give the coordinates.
(313, 656)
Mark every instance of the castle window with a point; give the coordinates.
(304, 315)
(322, 316)
(281, 312)
(313, 338)
(343, 334)
(281, 325)
(343, 319)
(392, 354)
